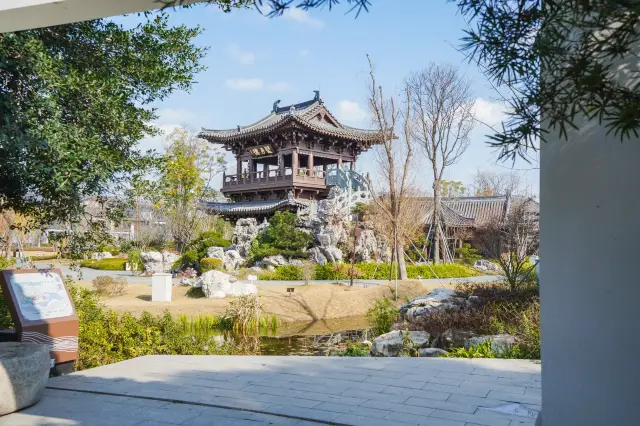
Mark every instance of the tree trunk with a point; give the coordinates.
(436, 221)
(393, 255)
(402, 266)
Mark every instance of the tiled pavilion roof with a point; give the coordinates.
(311, 115)
(476, 211)
(249, 208)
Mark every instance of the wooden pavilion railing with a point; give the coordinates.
(275, 177)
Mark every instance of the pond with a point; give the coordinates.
(315, 338)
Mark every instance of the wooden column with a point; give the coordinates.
(340, 162)
(294, 161)
(310, 164)
(251, 168)
(280, 161)
(238, 165)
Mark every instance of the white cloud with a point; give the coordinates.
(304, 52)
(256, 84)
(350, 111)
(279, 86)
(174, 115)
(489, 112)
(244, 83)
(241, 56)
(302, 17)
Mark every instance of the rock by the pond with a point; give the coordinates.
(295, 262)
(24, 371)
(390, 344)
(101, 255)
(418, 310)
(277, 260)
(499, 342)
(431, 352)
(232, 260)
(215, 253)
(485, 265)
(452, 339)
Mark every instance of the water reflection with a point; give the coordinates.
(316, 338)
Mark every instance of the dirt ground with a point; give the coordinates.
(309, 303)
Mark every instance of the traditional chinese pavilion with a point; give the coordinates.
(293, 155)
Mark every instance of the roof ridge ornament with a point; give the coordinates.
(275, 106)
(317, 96)
(292, 109)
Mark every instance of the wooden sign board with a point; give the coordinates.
(261, 150)
(42, 311)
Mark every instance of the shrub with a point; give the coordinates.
(197, 249)
(281, 237)
(210, 264)
(245, 314)
(112, 264)
(382, 316)
(4, 264)
(5, 316)
(106, 337)
(355, 350)
(41, 258)
(468, 254)
(134, 259)
(283, 273)
(110, 286)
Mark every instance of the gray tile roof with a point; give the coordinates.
(477, 211)
(306, 114)
(248, 208)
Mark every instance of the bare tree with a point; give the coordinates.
(511, 242)
(393, 156)
(486, 183)
(441, 103)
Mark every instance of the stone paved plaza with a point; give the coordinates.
(260, 390)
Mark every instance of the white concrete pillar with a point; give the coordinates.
(161, 287)
(590, 282)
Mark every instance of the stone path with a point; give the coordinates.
(254, 390)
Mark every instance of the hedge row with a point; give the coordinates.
(367, 270)
(111, 264)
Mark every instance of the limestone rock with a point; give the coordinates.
(499, 342)
(431, 352)
(485, 265)
(215, 253)
(452, 339)
(24, 371)
(295, 262)
(217, 285)
(169, 259)
(278, 260)
(418, 310)
(101, 255)
(366, 246)
(332, 254)
(315, 255)
(154, 261)
(244, 232)
(232, 260)
(390, 344)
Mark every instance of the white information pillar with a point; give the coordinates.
(590, 283)
(161, 287)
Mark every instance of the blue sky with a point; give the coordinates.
(253, 61)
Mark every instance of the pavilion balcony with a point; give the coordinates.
(275, 179)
